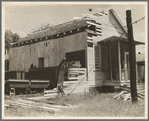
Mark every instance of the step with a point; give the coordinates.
(50, 91)
(77, 69)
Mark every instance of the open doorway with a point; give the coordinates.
(76, 57)
(75, 65)
(127, 67)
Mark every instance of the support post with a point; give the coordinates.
(132, 57)
(110, 63)
(119, 60)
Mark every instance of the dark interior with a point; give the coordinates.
(76, 56)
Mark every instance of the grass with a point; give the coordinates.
(102, 105)
(90, 105)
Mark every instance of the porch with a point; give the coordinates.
(115, 61)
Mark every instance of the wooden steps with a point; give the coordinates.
(77, 86)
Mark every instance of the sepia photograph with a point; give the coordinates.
(74, 60)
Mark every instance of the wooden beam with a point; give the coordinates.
(132, 57)
(126, 76)
(94, 24)
(90, 38)
(119, 60)
(110, 63)
(86, 63)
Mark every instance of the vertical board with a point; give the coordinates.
(91, 68)
(98, 72)
(46, 63)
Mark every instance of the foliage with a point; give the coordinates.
(10, 38)
(42, 27)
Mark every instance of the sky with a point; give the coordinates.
(24, 17)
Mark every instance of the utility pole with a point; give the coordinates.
(132, 57)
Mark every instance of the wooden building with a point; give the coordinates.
(96, 43)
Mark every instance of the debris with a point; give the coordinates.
(127, 96)
(61, 90)
(34, 105)
(116, 96)
(126, 93)
(50, 91)
(7, 106)
(50, 95)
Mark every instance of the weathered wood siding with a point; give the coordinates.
(53, 51)
(91, 68)
(95, 76)
(108, 27)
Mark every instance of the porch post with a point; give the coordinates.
(119, 60)
(86, 62)
(110, 63)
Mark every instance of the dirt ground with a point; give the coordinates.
(90, 105)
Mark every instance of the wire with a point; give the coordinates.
(135, 22)
(107, 50)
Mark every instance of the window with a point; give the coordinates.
(89, 44)
(6, 65)
(97, 58)
(41, 62)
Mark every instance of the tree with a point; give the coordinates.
(15, 37)
(10, 38)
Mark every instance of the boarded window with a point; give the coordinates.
(41, 62)
(89, 44)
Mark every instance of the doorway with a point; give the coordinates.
(76, 56)
(127, 67)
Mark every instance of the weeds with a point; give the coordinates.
(89, 105)
(101, 105)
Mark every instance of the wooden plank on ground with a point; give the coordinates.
(127, 96)
(118, 94)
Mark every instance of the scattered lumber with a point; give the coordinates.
(50, 91)
(61, 90)
(116, 96)
(33, 105)
(50, 95)
(37, 98)
(7, 106)
(126, 97)
(125, 94)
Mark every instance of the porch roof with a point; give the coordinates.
(116, 38)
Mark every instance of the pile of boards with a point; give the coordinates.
(125, 94)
